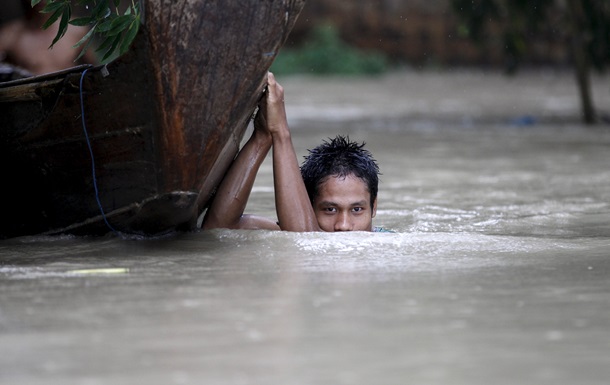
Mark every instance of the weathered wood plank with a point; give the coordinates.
(164, 121)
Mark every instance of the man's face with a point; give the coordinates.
(344, 204)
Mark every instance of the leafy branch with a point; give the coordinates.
(116, 30)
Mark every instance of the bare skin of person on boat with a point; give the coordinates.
(26, 44)
(341, 175)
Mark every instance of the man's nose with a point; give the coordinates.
(343, 222)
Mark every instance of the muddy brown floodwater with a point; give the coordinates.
(497, 273)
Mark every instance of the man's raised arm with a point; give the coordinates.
(227, 208)
(292, 203)
(293, 207)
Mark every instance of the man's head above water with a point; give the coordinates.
(342, 178)
(334, 190)
(340, 157)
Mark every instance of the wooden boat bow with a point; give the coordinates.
(164, 122)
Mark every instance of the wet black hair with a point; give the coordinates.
(339, 157)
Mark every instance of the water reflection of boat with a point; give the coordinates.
(164, 122)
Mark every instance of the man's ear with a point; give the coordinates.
(374, 209)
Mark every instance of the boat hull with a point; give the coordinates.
(161, 124)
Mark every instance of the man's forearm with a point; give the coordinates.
(294, 209)
(232, 195)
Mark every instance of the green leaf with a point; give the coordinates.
(101, 10)
(63, 25)
(81, 21)
(130, 35)
(105, 44)
(84, 38)
(82, 52)
(118, 31)
(52, 19)
(119, 24)
(54, 6)
(105, 25)
(111, 50)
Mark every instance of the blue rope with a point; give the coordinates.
(97, 194)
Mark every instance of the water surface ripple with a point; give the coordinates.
(497, 273)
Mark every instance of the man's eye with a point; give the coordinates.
(358, 209)
(329, 209)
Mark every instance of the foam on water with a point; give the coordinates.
(399, 252)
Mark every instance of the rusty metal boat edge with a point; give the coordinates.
(163, 122)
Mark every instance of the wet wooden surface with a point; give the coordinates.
(164, 124)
